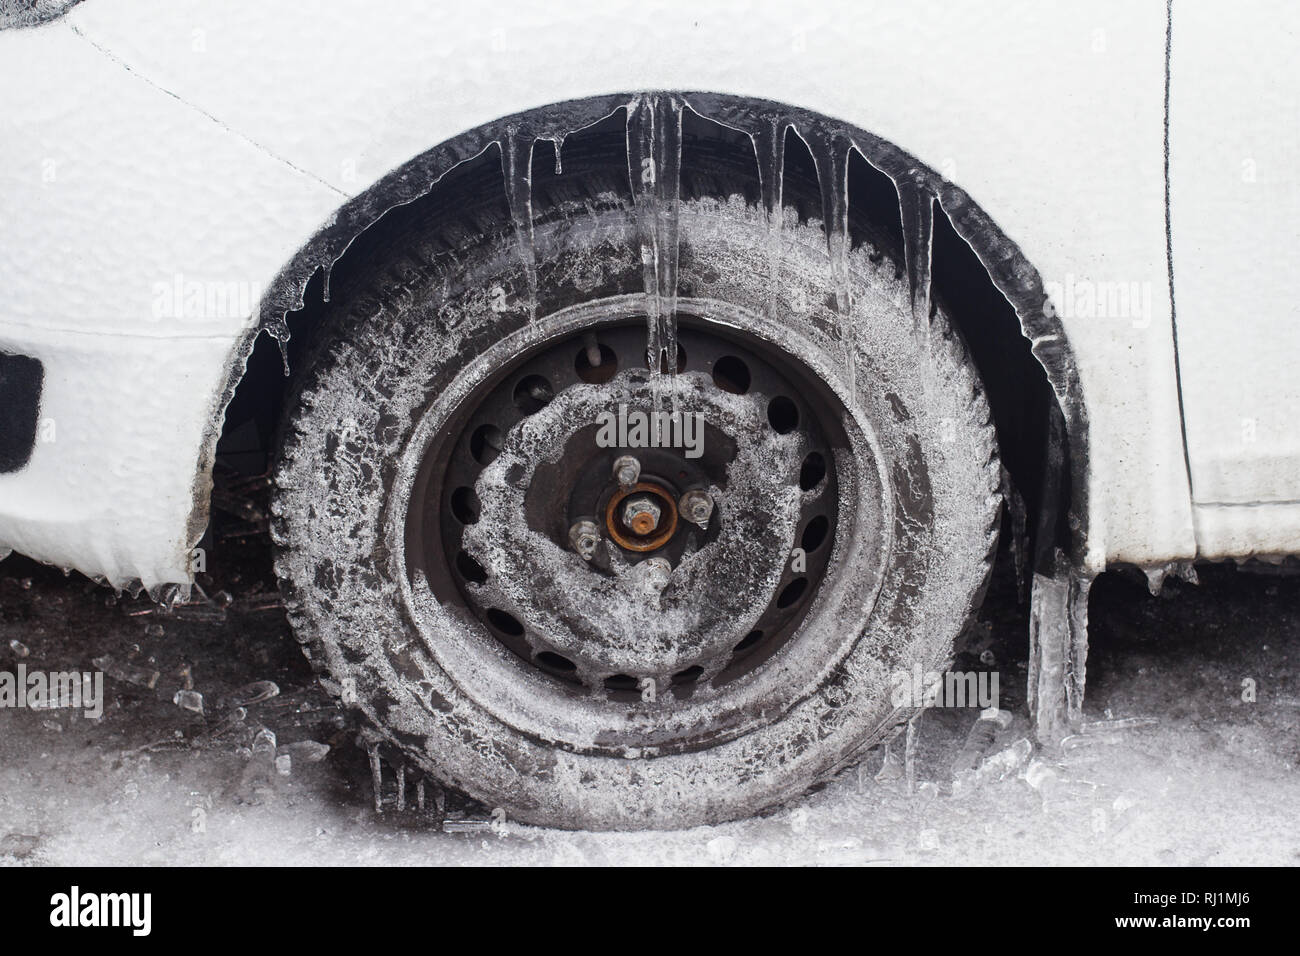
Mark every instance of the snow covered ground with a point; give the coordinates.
(1212, 780)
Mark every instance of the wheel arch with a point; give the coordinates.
(995, 296)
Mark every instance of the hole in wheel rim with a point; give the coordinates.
(532, 394)
(663, 360)
(731, 374)
(688, 676)
(505, 622)
(598, 374)
(553, 660)
(470, 569)
(465, 505)
(485, 444)
(782, 415)
(812, 471)
(814, 533)
(792, 592)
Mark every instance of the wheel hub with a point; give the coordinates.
(638, 609)
(639, 564)
(641, 518)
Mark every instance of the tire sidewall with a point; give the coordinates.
(337, 510)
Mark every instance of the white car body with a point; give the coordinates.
(149, 148)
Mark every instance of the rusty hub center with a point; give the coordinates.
(645, 532)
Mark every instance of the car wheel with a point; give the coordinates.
(592, 632)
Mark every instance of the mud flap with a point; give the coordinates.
(1058, 650)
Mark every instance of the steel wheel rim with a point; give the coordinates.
(618, 721)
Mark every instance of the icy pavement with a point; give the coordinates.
(215, 748)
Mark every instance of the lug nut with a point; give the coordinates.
(696, 507)
(655, 573)
(585, 537)
(641, 514)
(626, 471)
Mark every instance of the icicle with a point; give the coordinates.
(517, 164)
(917, 208)
(654, 152)
(282, 340)
(667, 214)
(1015, 505)
(831, 154)
(769, 147)
(916, 205)
(376, 775)
(558, 140)
(641, 171)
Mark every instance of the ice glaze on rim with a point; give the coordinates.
(586, 653)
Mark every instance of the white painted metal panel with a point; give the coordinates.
(1049, 116)
(1234, 162)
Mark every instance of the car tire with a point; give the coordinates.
(909, 556)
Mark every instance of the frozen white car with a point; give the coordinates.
(873, 269)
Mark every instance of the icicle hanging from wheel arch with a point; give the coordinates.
(654, 151)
